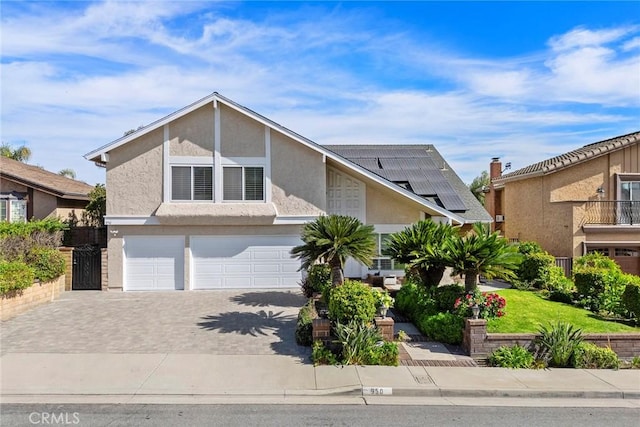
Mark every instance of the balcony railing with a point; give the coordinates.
(616, 212)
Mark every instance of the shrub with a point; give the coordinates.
(491, 305)
(15, 276)
(382, 298)
(318, 278)
(357, 340)
(631, 299)
(590, 356)
(17, 239)
(352, 300)
(414, 301)
(446, 296)
(526, 248)
(557, 343)
(534, 269)
(442, 327)
(511, 357)
(304, 327)
(47, 264)
(385, 354)
(321, 355)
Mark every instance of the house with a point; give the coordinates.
(578, 202)
(214, 196)
(28, 191)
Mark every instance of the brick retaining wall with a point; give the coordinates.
(39, 293)
(478, 344)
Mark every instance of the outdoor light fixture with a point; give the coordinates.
(600, 192)
(113, 232)
(475, 310)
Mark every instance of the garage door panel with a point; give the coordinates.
(153, 263)
(245, 261)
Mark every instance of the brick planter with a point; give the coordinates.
(322, 329)
(39, 293)
(478, 344)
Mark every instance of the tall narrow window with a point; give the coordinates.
(232, 183)
(202, 183)
(253, 183)
(3, 210)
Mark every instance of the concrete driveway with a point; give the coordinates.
(237, 322)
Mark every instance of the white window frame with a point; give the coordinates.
(4, 208)
(383, 230)
(191, 162)
(11, 211)
(246, 162)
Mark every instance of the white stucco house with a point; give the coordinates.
(214, 196)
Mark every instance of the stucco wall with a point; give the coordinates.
(8, 186)
(115, 249)
(192, 135)
(44, 205)
(297, 176)
(550, 209)
(240, 136)
(134, 176)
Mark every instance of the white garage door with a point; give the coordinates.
(153, 263)
(244, 262)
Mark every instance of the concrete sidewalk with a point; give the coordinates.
(202, 378)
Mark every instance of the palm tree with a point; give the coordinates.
(69, 173)
(334, 238)
(421, 247)
(21, 154)
(482, 252)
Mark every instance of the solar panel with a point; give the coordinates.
(452, 202)
(422, 188)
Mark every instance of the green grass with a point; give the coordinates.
(527, 310)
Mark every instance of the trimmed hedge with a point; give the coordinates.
(352, 300)
(631, 299)
(15, 276)
(442, 327)
(590, 356)
(304, 327)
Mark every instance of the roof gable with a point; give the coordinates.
(49, 182)
(98, 154)
(563, 161)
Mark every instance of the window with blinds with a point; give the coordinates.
(191, 183)
(243, 183)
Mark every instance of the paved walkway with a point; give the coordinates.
(234, 322)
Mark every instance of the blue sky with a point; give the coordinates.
(523, 81)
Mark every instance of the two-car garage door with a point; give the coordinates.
(217, 262)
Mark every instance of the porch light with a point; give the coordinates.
(475, 310)
(600, 192)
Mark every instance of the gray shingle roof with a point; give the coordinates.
(33, 176)
(420, 169)
(588, 152)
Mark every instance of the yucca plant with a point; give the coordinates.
(421, 247)
(357, 341)
(481, 252)
(557, 343)
(334, 238)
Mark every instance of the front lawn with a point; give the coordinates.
(526, 311)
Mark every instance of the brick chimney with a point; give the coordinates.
(490, 201)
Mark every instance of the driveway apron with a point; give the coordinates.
(238, 322)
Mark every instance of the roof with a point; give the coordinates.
(588, 152)
(420, 169)
(99, 155)
(40, 179)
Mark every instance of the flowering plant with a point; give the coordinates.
(382, 298)
(491, 305)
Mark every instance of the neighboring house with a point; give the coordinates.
(28, 191)
(581, 201)
(214, 196)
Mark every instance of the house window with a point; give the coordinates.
(13, 210)
(382, 261)
(619, 252)
(629, 204)
(603, 251)
(243, 183)
(191, 183)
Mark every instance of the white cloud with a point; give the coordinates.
(304, 69)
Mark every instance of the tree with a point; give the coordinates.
(482, 252)
(421, 246)
(479, 184)
(332, 239)
(97, 207)
(69, 173)
(21, 154)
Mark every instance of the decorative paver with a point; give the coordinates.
(221, 322)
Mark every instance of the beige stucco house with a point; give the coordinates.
(28, 191)
(214, 196)
(581, 201)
